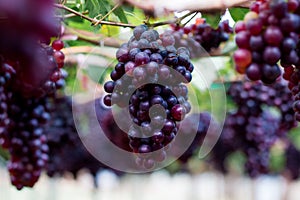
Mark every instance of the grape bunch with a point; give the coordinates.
(66, 150)
(24, 138)
(30, 73)
(25, 46)
(268, 34)
(149, 78)
(200, 37)
(253, 129)
(252, 97)
(294, 78)
(253, 135)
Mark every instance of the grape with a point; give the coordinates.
(253, 72)
(271, 55)
(57, 45)
(254, 26)
(155, 109)
(242, 40)
(242, 57)
(239, 26)
(256, 43)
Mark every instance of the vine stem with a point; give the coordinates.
(93, 21)
(107, 14)
(190, 19)
(96, 22)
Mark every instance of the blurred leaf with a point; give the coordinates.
(135, 16)
(228, 72)
(110, 31)
(212, 19)
(70, 80)
(236, 161)
(229, 47)
(277, 158)
(294, 136)
(119, 12)
(4, 155)
(238, 13)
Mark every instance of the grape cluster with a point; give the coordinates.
(25, 46)
(149, 78)
(30, 72)
(251, 128)
(201, 38)
(256, 95)
(24, 137)
(294, 86)
(269, 33)
(66, 150)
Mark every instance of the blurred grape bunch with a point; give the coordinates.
(252, 127)
(67, 154)
(200, 38)
(30, 73)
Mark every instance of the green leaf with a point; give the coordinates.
(119, 12)
(96, 7)
(277, 158)
(238, 14)
(212, 19)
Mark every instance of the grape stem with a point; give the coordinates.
(190, 19)
(107, 14)
(96, 22)
(92, 20)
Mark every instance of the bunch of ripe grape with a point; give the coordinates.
(268, 34)
(251, 128)
(149, 79)
(30, 72)
(200, 38)
(66, 150)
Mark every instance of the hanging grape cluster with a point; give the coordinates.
(268, 34)
(149, 78)
(200, 38)
(30, 72)
(253, 129)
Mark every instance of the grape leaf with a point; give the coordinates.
(119, 12)
(212, 19)
(238, 13)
